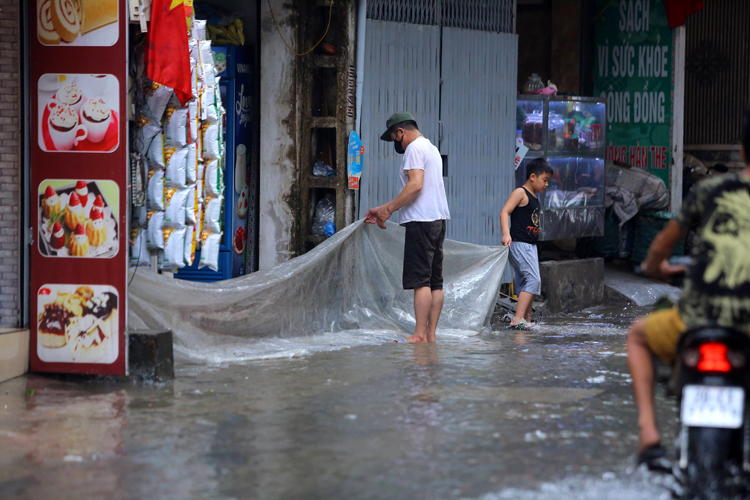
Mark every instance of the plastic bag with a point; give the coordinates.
(210, 111)
(212, 215)
(139, 254)
(199, 29)
(174, 215)
(209, 75)
(145, 132)
(155, 193)
(210, 251)
(213, 184)
(155, 154)
(321, 169)
(191, 205)
(325, 211)
(207, 56)
(157, 98)
(191, 237)
(199, 185)
(176, 175)
(195, 77)
(210, 134)
(175, 127)
(191, 164)
(155, 230)
(193, 120)
(174, 248)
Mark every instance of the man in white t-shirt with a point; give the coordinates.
(423, 210)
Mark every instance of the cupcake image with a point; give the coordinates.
(74, 214)
(51, 204)
(63, 127)
(95, 228)
(95, 115)
(71, 95)
(78, 244)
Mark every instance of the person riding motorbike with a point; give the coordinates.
(716, 287)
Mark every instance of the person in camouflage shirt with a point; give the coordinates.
(717, 283)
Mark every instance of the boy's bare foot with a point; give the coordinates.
(648, 439)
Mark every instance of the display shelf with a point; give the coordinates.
(324, 61)
(572, 206)
(316, 181)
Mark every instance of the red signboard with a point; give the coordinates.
(78, 68)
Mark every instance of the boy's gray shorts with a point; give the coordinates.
(524, 260)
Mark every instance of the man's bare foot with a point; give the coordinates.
(414, 339)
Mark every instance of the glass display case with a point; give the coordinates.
(570, 133)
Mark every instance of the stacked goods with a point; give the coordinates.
(184, 151)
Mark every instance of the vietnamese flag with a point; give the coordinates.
(679, 10)
(167, 53)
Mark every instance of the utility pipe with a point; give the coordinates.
(361, 23)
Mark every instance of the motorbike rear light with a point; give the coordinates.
(713, 358)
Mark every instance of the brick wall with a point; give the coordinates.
(10, 169)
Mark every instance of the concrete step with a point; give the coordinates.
(639, 290)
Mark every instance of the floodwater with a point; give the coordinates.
(508, 415)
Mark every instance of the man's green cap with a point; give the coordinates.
(403, 116)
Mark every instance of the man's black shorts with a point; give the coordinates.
(423, 255)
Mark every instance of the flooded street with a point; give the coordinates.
(543, 414)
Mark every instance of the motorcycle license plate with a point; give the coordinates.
(710, 406)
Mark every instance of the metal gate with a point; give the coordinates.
(471, 118)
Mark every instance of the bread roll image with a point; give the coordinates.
(65, 19)
(97, 13)
(45, 28)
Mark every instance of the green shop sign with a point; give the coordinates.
(633, 72)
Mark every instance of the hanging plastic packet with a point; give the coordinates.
(191, 205)
(209, 75)
(191, 237)
(212, 180)
(193, 121)
(195, 52)
(211, 112)
(199, 29)
(199, 184)
(139, 254)
(195, 76)
(174, 248)
(145, 132)
(175, 127)
(155, 192)
(155, 230)
(191, 165)
(212, 215)
(176, 175)
(210, 251)
(211, 142)
(155, 154)
(217, 94)
(207, 56)
(157, 98)
(174, 215)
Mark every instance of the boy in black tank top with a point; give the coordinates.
(523, 211)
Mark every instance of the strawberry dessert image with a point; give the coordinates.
(57, 240)
(82, 190)
(51, 205)
(95, 228)
(74, 213)
(78, 244)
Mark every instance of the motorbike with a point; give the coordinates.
(713, 384)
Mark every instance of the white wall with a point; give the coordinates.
(278, 135)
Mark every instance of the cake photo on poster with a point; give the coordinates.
(78, 112)
(78, 218)
(77, 323)
(77, 23)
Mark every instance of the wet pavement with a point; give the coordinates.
(544, 414)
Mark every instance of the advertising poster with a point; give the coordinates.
(79, 175)
(634, 54)
(354, 160)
